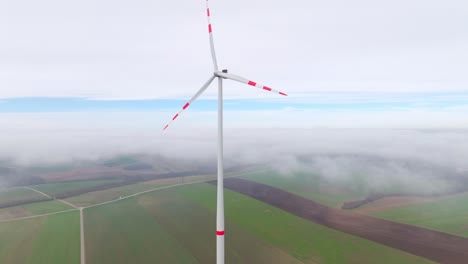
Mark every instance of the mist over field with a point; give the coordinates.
(428, 161)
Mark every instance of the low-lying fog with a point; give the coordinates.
(431, 161)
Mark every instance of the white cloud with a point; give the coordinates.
(148, 49)
(335, 142)
(62, 136)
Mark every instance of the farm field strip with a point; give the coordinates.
(65, 202)
(447, 214)
(434, 245)
(39, 192)
(82, 242)
(268, 247)
(162, 188)
(105, 195)
(125, 197)
(178, 226)
(82, 253)
(309, 186)
(58, 188)
(18, 196)
(131, 230)
(5, 193)
(46, 240)
(48, 196)
(36, 216)
(306, 241)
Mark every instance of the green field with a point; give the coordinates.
(310, 186)
(448, 214)
(53, 239)
(96, 197)
(17, 194)
(177, 225)
(63, 187)
(32, 209)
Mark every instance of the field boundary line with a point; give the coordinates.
(82, 238)
(65, 202)
(166, 187)
(126, 197)
(39, 192)
(35, 216)
(48, 196)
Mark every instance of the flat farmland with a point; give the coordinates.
(309, 186)
(177, 226)
(13, 195)
(448, 214)
(64, 187)
(96, 197)
(32, 209)
(164, 228)
(52, 239)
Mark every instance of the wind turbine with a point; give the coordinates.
(220, 75)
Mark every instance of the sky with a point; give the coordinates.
(98, 67)
(159, 49)
(362, 56)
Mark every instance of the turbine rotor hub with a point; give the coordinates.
(217, 74)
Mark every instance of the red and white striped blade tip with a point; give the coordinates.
(266, 88)
(248, 82)
(177, 115)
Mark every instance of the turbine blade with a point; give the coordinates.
(210, 32)
(247, 81)
(202, 89)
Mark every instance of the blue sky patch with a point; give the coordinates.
(319, 101)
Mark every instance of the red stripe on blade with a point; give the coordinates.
(165, 127)
(252, 83)
(220, 233)
(267, 88)
(175, 117)
(208, 11)
(185, 106)
(209, 28)
(283, 94)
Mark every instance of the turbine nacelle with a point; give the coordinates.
(219, 73)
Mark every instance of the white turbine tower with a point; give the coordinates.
(220, 75)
